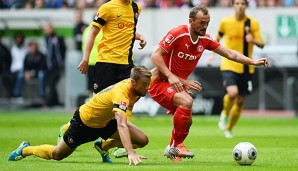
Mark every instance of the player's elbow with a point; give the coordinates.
(231, 55)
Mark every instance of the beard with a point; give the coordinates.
(200, 33)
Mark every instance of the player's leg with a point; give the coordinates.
(235, 114)
(138, 138)
(62, 130)
(244, 85)
(230, 84)
(182, 120)
(45, 151)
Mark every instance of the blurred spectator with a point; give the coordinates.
(35, 67)
(28, 5)
(262, 3)
(187, 4)
(205, 3)
(13, 3)
(81, 4)
(64, 5)
(18, 53)
(98, 3)
(288, 3)
(55, 57)
(224, 3)
(252, 3)
(5, 63)
(272, 3)
(150, 4)
(79, 29)
(165, 4)
(39, 4)
(1, 4)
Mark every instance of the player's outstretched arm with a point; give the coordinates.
(83, 66)
(126, 139)
(240, 58)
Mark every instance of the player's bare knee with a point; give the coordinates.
(187, 102)
(143, 141)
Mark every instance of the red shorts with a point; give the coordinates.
(162, 92)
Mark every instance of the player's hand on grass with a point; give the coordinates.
(83, 66)
(262, 62)
(135, 159)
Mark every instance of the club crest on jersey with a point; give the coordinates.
(200, 48)
(123, 105)
(169, 39)
(96, 16)
(170, 90)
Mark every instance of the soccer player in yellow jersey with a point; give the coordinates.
(105, 115)
(241, 33)
(118, 20)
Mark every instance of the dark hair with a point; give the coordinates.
(246, 1)
(19, 34)
(193, 12)
(139, 71)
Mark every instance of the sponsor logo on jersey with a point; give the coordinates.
(126, 25)
(186, 56)
(123, 105)
(169, 39)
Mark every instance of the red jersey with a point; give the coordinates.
(183, 54)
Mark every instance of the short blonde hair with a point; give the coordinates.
(139, 71)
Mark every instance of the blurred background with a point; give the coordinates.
(26, 24)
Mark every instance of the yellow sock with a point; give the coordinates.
(107, 144)
(42, 151)
(227, 105)
(235, 114)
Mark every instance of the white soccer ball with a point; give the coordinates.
(245, 153)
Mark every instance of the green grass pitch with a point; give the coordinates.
(276, 140)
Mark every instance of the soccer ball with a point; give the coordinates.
(245, 153)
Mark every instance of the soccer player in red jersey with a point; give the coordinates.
(175, 58)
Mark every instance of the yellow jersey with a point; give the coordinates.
(118, 22)
(234, 32)
(99, 110)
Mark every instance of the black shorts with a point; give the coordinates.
(78, 133)
(242, 81)
(107, 74)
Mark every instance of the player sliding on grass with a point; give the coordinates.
(176, 57)
(105, 115)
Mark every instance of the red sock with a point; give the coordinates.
(186, 133)
(181, 119)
